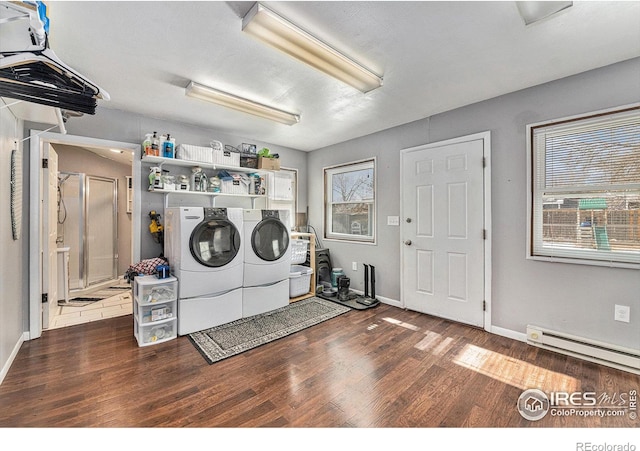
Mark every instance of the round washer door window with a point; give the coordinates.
(214, 243)
(270, 239)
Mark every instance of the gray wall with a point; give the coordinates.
(127, 127)
(577, 299)
(13, 290)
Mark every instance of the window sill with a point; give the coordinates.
(348, 241)
(576, 261)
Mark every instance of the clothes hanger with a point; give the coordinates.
(38, 75)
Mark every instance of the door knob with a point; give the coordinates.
(408, 242)
(408, 220)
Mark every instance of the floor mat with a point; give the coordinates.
(78, 302)
(352, 302)
(238, 336)
(99, 295)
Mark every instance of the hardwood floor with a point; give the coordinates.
(379, 368)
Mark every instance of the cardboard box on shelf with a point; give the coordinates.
(272, 164)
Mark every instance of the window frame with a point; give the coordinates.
(534, 187)
(328, 171)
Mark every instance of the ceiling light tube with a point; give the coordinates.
(273, 29)
(534, 11)
(203, 92)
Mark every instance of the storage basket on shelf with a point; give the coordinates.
(233, 183)
(299, 280)
(227, 155)
(299, 251)
(248, 160)
(194, 153)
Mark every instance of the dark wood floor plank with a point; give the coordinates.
(383, 367)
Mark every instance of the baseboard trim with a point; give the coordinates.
(508, 333)
(12, 357)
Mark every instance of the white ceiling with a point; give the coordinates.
(434, 56)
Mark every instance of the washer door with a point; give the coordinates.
(270, 239)
(214, 243)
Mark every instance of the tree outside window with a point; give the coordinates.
(350, 201)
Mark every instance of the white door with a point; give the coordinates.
(50, 233)
(443, 261)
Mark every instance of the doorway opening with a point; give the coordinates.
(85, 205)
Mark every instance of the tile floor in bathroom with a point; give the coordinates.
(117, 305)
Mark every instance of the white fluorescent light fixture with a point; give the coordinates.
(225, 99)
(273, 29)
(532, 12)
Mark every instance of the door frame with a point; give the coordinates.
(486, 138)
(37, 140)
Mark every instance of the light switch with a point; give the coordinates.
(393, 220)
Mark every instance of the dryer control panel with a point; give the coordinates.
(215, 213)
(270, 214)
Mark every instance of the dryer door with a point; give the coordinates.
(215, 243)
(270, 239)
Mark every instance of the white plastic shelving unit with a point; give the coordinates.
(155, 309)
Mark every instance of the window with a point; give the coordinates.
(283, 192)
(350, 201)
(585, 179)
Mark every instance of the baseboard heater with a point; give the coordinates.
(603, 353)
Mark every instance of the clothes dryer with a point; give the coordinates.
(205, 252)
(267, 261)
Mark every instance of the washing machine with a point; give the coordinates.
(267, 261)
(205, 251)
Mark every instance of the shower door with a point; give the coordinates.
(87, 218)
(101, 257)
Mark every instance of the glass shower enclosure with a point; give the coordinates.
(87, 224)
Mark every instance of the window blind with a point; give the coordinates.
(586, 188)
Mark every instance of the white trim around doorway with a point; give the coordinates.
(37, 140)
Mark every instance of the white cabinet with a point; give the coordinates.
(155, 309)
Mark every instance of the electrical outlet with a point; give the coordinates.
(354, 266)
(622, 313)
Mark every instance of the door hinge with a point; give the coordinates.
(45, 298)
(484, 234)
(484, 162)
(484, 306)
(45, 163)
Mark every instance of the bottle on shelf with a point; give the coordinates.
(155, 178)
(199, 181)
(146, 145)
(168, 147)
(215, 184)
(155, 145)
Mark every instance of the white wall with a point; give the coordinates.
(13, 296)
(577, 299)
